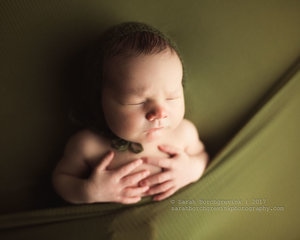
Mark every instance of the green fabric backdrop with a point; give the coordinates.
(242, 92)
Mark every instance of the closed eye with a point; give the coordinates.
(132, 102)
(173, 98)
(135, 104)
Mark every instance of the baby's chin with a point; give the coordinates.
(150, 135)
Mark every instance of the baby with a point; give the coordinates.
(147, 147)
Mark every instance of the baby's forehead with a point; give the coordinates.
(121, 86)
(135, 74)
(142, 90)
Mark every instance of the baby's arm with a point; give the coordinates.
(181, 168)
(77, 182)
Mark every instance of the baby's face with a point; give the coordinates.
(143, 98)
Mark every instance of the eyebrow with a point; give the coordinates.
(137, 91)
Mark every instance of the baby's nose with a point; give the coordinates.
(156, 113)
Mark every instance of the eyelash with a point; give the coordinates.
(135, 104)
(141, 103)
(173, 98)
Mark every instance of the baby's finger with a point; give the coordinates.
(108, 157)
(134, 178)
(129, 200)
(164, 195)
(128, 168)
(135, 191)
(156, 179)
(169, 149)
(160, 188)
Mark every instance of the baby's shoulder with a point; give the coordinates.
(188, 134)
(187, 129)
(87, 144)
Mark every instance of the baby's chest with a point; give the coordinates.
(123, 158)
(153, 152)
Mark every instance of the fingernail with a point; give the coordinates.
(108, 153)
(139, 161)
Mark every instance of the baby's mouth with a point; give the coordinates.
(155, 129)
(152, 130)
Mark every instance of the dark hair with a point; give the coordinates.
(132, 38)
(127, 39)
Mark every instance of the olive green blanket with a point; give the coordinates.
(243, 93)
(250, 191)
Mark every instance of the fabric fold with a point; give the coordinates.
(252, 182)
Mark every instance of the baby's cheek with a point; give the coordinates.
(133, 118)
(129, 125)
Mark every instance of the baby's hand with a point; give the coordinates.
(179, 170)
(116, 185)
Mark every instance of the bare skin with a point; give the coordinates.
(148, 109)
